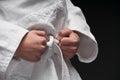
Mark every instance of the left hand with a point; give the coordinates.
(69, 42)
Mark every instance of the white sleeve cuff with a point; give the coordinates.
(10, 38)
(88, 49)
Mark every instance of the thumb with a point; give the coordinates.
(64, 33)
(41, 33)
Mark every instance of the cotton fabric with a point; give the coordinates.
(17, 17)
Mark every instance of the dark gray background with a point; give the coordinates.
(103, 17)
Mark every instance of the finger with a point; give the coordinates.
(42, 33)
(69, 49)
(65, 32)
(42, 48)
(75, 36)
(66, 41)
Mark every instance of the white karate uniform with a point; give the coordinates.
(17, 17)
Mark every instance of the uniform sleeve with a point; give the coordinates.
(88, 47)
(10, 37)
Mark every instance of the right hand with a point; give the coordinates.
(32, 46)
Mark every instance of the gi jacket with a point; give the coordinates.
(17, 17)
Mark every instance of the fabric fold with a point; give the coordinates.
(60, 72)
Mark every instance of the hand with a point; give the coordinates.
(32, 46)
(69, 42)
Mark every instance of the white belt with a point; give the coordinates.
(53, 49)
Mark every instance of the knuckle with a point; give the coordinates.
(75, 41)
(75, 48)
